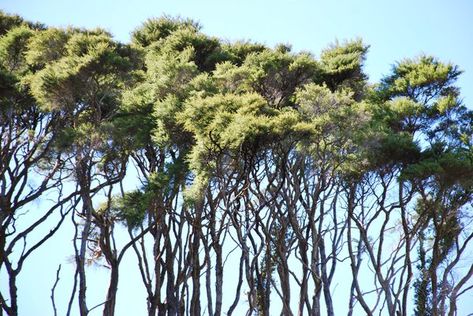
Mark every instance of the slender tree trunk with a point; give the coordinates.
(13, 308)
(195, 300)
(83, 176)
(325, 279)
(109, 308)
(219, 280)
(172, 303)
(81, 260)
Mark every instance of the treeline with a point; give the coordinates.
(290, 173)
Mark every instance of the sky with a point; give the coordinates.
(394, 30)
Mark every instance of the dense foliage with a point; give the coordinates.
(310, 185)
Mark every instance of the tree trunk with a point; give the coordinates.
(109, 308)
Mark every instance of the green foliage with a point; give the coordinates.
(88, 73)
(423, 296)
(205, 50)
(204, 98)
(131, 208)
(344, 58)
(449, 168)
(315, 100)
(10, 21)
(13, 47)
(135, 206)
(7, 84)
(394, 149)
(156, 29)
(231, 122)
(47, 46)
(223, 122)
(238, 52)
(134, 122)
(16, 104)
(230, 78)
(169, 36)
(170, 73)
(420, 79)
(277, 74)
(342, 67)
(12, 100)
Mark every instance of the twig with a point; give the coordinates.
(54, 288)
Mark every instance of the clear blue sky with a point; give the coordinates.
(394, 30)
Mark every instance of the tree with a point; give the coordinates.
(30, 164)
(81, 79)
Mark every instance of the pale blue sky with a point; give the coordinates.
(394, 30)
